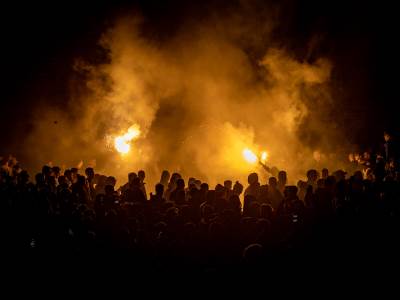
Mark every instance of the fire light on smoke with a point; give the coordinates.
(122, 143)
(249, 156)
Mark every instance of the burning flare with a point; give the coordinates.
(122, 143)
(264, 157)
(249, 156)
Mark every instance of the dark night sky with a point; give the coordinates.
(40, 42)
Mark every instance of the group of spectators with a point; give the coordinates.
(336, 215)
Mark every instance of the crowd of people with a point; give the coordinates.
(188, 224)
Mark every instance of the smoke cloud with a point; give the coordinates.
(200, 97)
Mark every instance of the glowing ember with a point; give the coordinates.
(249, 156)
(264, 156)
(122, 142)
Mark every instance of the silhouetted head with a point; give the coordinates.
(172, 213)
(197, 183)
(111, 181)
(204, 187)
(56, 171)
(325, 173)
(192, 186)
(89, 173)
(131, 176)
(46, 171)
(191, 180)
(135, 182)
(68, 174)
(62, 180)
(272, 182)
(282, 177)
(312, 175)
(74, 174)
(252, 178)
(142, 175)
(180, 184)
(39, 178)
(165, 177)
(175, 177)
(52, 181)
(237, 188)
(302, 185)
(339, 175)
(23, 177)
(266, 211)
(264, 190)
(219, 188)
(159, 189)
(81, 180)
(219, 191)
(228, 184)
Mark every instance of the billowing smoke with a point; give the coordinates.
(199, 97)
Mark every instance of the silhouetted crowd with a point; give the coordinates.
(333, 216)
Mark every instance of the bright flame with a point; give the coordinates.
(122, 142)
(122, 145)
(249, 156)
(264, 156)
